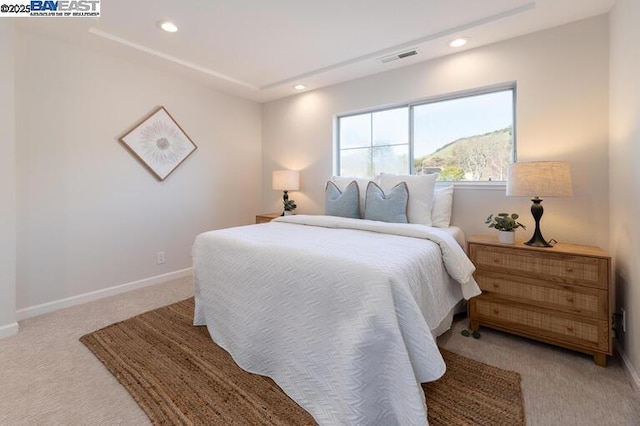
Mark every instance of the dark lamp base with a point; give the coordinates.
(538, 243)
(537, 240)
(285, 198)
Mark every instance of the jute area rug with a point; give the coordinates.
(178, 375)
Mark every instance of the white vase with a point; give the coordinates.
(288, 213)
(507, 237)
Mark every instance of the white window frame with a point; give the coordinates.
(498, 185)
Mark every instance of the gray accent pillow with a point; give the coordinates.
(390, 207)
(342, 203)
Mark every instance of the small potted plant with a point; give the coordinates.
(289, 207)
(506, 224)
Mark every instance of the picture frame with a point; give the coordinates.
(159, 143)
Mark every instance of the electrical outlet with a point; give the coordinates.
(160, 258)
(623, 320)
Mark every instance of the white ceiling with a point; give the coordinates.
(259, 49)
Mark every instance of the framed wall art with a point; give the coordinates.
(159, 143)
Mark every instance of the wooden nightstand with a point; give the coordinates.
(559, 295)
(267, 217)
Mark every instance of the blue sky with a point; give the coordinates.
(439, 123)
(436, 124)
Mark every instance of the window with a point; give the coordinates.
(462, 138)
(375, 142)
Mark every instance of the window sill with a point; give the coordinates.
(482, 186)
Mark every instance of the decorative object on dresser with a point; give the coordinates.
(286, 180)
(535, 179)
(266, 217)
(159, 143)
(559, 295)
(506, 224)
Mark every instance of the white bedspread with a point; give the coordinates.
(339, 317)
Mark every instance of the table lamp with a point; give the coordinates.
(536, 179)
(285, 180)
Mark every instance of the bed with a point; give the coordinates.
(341, 313)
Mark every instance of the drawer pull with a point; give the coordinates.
(496, 260)
(495, 311)
(570, 299)
(569, 269)
(496, 286)
(569, 328)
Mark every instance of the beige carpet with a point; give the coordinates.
(178, 375)
(47, 377)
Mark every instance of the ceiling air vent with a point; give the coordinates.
(397, 56)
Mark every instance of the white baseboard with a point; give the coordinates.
(8, 330)
(633, 374)
(45, 308)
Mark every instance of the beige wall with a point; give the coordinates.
(89, 215)
(7, 183)
(624, 168)
(562, 78)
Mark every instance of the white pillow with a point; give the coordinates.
(421, 188)
(343, 181)
(442, 204)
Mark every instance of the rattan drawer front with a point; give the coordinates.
(584, 333)
(581, 270)
(573, 299)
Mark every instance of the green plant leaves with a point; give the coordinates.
(504, 222)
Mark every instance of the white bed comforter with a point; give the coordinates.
(338, 313)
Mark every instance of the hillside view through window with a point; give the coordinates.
(468, 138)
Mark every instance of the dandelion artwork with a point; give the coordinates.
(159, 143)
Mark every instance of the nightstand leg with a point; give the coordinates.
(600, 359)
(474, 325)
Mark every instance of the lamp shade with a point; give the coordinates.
(286, 180)
(539, 179)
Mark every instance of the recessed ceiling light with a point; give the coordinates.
(459, 42)
(299, 87)
(168, 26)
